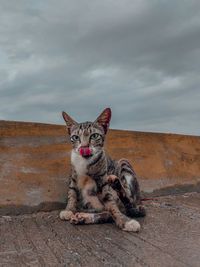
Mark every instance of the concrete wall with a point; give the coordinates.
(35, 163)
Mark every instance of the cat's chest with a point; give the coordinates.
(80, 166)
(86, 185)
(79, 163)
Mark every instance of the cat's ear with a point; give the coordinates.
(104, 119)
(69, 121)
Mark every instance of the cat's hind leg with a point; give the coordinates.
(127, 188)
(91, 218)
(121, 220)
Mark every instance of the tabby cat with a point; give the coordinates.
(107, 190)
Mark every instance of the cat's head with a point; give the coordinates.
(87, 138)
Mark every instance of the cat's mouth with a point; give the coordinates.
(85, 152)
(87, 156)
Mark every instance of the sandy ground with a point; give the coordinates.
(170, 236)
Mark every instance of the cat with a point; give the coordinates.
(107, 190)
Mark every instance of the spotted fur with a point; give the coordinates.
(107, 189)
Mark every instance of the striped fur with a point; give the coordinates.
(105, 188)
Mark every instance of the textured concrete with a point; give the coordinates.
(170, 236)
(35, 163)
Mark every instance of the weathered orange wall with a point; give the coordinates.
(35, 163)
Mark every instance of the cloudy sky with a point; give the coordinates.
(139, 57)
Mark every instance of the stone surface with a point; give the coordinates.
(169, 236)
(35, 163)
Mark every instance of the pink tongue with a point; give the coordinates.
(85, 151)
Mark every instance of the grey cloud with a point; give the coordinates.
(141, 58)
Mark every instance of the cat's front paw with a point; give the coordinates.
(132, 226)
(82, 218)
(66, 215)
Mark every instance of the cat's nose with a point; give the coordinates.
(84, 143)
(84, 147)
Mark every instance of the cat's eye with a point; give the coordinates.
(75, 138)
(94, 136)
